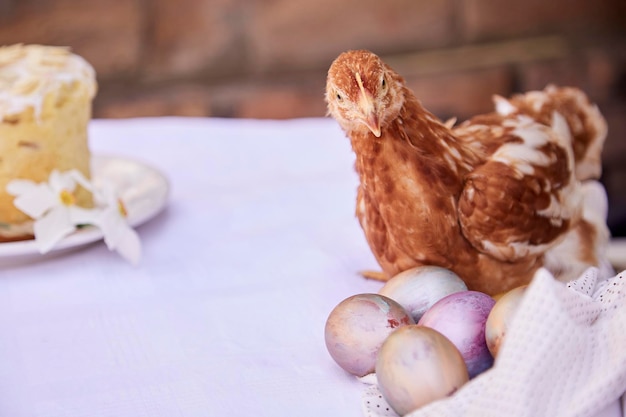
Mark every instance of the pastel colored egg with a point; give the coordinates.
(417, 365)
(358, 326)
(417, 289)
(461, 318)
(500, 317)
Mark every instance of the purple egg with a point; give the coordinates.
(461, 318)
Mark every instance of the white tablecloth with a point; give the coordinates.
(225, 314)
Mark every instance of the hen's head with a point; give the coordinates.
(363, 93)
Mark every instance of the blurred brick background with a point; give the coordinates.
(268, 58)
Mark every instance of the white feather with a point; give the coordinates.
(503, 106)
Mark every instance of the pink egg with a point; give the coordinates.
(358, 326)
(461, 318)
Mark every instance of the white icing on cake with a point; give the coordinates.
(29, 72)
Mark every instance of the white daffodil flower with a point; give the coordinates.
(52, 205)
(112, 220)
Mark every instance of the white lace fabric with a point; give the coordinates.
(564, 356)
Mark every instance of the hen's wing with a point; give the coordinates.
(587, 128)
(524, 197)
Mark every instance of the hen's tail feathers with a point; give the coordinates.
(595, 211)
(586, 244)
(587, 126)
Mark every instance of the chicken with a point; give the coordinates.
(493, 199)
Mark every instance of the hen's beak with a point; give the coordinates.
(368, 109)
(372, 123)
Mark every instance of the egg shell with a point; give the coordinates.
(461, 318)
(358, 326)
(417, 365)
(500, 318)
(417, 289)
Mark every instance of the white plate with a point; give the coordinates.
(143, 189)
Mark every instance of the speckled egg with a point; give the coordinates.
(500, 317)
(358, 326)
(417, 289)
(461, 318)
(417, 365)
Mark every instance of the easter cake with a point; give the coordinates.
(46, 94)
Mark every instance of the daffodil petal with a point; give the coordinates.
(62, 181)
(100, 198)
(110, 223)
(78, 176)
(51, 228)
(119, 236)
(129, 245)
(18, 186)
(36, 200)
(80, 216)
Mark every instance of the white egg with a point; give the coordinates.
(417, 289)
(358, 326)
(417, 365)
(500, 317)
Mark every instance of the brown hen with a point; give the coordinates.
(492, 199)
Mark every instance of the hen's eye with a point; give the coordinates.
(384, 83)
(339, 97)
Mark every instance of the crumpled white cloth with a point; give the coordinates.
(564, 356)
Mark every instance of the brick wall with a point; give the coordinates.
(268, 58)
